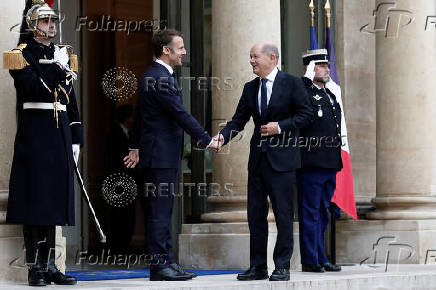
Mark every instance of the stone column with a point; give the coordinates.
(406, 168)
(406, 172)
(236, 26)
(222, 242)
(11, 236)
(356, 69)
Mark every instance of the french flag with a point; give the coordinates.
(344, 193)
(49, 2)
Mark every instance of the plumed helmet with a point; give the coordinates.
(40, 10)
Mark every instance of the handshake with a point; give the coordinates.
(216, 143)
(272, 128)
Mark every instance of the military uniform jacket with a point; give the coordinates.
(41, 189)
(321, 141)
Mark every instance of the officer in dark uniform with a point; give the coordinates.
(49, 133)
(320, 161)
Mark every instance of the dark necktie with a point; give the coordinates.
(263, 108)
(324, 93)
(263, 100)
(176, 84)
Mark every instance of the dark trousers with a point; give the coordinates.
(264, 182)
(315, 190)
(160, 188)
(40, 243)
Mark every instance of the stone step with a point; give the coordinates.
(226, 246)
(3, 200)
(365, 277)
(11, 255)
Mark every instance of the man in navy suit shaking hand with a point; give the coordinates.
(279, 106)
(156, 144)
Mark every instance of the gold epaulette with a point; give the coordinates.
(14, 59)
(74, 63)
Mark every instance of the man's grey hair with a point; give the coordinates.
(269, 48)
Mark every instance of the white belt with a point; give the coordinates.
(45, 106)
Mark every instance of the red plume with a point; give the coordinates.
(49, 2)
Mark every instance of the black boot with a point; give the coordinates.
(57, 277)
(168, 274)
(36, 276)
(36, 271)
(52, 273)
(179, 269)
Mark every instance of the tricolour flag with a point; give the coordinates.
(313, 42)
(344, 193)
(49, 2)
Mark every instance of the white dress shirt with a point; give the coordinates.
(167, 66)
(269, 85)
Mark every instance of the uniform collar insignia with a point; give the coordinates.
(316, 97)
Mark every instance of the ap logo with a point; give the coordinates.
(389, 19)
(387, 250)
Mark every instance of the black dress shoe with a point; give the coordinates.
(57, 277)
(179, 269)
(168, 274)
(317, 268)
(254, 273)
(280, 275)
(36, 276)
(329, 267)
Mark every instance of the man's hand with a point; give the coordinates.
(217, 143)
(132, 159)
(310, 71)
(272, 128)
(61, 57)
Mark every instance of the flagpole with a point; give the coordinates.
(313, 37)
(312, 13)
(327, 9)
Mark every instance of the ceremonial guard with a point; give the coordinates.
(47, 143)
(320, 161)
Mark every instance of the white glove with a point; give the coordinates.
(61, 56)
(310, 71)
(76, 152)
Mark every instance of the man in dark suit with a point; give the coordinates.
(157, 133)
(320, 161)
(278, 104)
